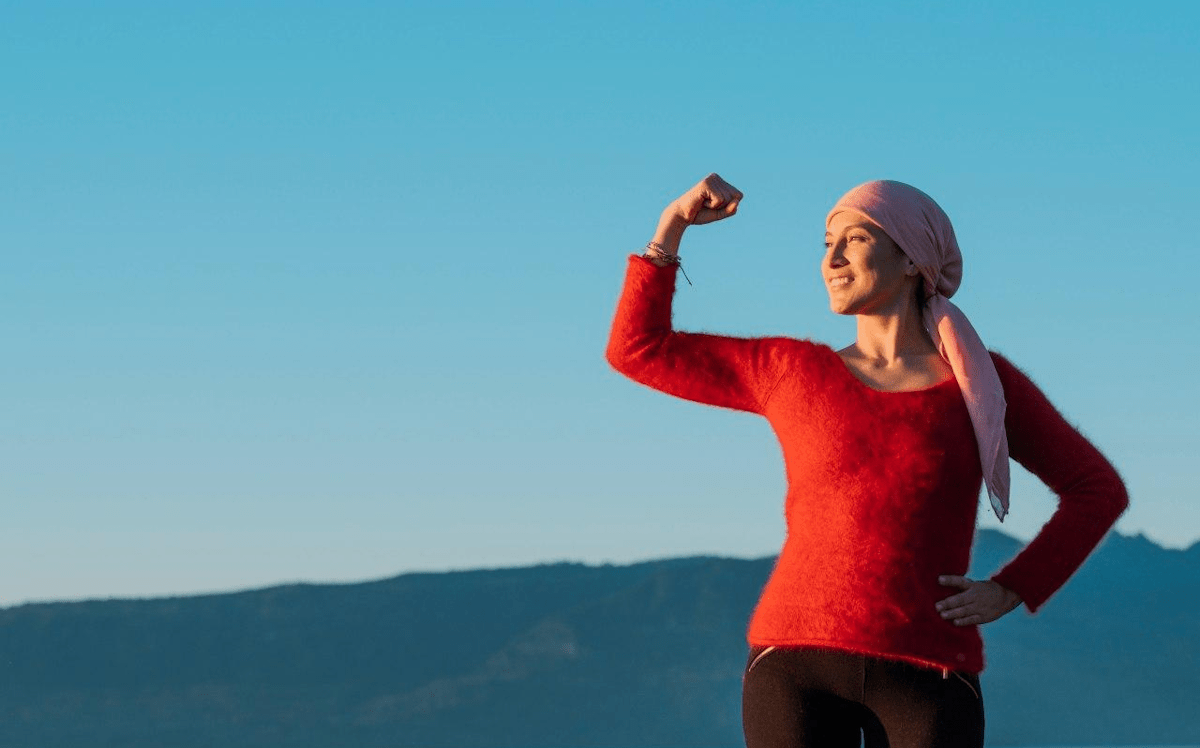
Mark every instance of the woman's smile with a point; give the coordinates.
(859, 253)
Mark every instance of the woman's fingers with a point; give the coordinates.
(722, 208)
(980, 602)
(708, 215)
(957, 606)
(963, 616)
(953, 580)
(965, 608)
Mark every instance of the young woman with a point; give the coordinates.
(868, 625)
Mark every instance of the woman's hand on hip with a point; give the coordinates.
(979, 602)
(710, 200)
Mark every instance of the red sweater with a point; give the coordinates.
(883, 487)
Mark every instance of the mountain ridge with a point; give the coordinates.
(557, 655)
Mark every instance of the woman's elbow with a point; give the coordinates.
(631, 356)
(1114, 492)
(1120, 497)
(617, 356)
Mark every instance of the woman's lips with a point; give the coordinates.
(840, 281)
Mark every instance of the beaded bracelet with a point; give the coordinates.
(656, 251)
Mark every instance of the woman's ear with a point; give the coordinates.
(911, 268)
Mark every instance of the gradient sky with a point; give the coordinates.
(316, 291)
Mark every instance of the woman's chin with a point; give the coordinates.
(839, 307)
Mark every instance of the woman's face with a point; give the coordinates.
(865, 272)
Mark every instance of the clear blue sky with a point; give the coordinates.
(317, 291)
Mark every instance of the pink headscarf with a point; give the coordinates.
(922, 229)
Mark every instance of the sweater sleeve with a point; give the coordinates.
(729, 372)
(1091, 495)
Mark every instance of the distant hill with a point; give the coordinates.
(559, 656)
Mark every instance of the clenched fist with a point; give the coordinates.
(710, 200)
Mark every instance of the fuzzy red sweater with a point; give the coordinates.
(883, 487)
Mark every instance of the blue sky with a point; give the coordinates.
(316, 291)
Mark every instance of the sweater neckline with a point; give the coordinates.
(841, 365)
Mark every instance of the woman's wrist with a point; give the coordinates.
(658, 254)
(670, 230)
(1012, 599)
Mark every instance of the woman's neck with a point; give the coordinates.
(892, 335)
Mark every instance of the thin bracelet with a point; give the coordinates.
(654, 250)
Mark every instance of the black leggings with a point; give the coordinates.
(802, 698)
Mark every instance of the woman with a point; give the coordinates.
(868, 624)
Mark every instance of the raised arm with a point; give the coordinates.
(1091, 495)
(718, 370)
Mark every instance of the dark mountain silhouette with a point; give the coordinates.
(557, 656)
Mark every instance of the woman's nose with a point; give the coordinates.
(835, 259)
